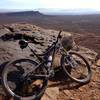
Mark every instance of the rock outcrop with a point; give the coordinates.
(41, 40)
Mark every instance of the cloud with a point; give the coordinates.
(23, 4)
(63, 4)
(22, 1)
(71, 4)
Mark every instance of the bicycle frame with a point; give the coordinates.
(41, 57)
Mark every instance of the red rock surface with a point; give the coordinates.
(63, 89)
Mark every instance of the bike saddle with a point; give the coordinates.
(23, 43)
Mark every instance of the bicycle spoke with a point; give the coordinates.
(77, 68)
(25, 78)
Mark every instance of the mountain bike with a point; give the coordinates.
(27, 79)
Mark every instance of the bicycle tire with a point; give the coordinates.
(68, 69)
(11, 92)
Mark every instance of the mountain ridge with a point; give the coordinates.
(52, 11)
(21, 13)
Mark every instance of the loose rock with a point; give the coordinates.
(98, 63)
(51, 93)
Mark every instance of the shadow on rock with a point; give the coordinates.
(63, 81)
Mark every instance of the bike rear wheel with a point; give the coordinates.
(27, 89)
(76, 67)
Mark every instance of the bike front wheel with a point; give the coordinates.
(24, 88)
(76, 67)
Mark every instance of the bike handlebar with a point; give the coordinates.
(23, 43)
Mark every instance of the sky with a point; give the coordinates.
(61, 4)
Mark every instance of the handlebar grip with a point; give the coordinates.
(23, 44)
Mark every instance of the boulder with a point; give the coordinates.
(68, 93)
(51, 93)
(98, 63)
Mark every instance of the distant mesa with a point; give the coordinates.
(22, 13)
(48, 11)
